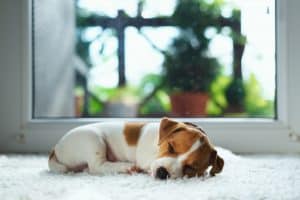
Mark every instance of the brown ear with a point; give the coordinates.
(166, 127)
(217, 163)
(195, 126)
(190, 124)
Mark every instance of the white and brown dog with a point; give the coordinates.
(168, 149)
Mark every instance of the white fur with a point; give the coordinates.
(87, 144)
(147, 147)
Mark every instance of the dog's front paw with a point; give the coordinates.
(135, 169)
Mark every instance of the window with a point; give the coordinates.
(22, 132)
(138, 59)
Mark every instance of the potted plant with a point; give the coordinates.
(121, 102)
(188, 69)
(188, 76)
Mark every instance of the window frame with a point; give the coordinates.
(238, 135)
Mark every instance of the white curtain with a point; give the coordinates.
(54, 43)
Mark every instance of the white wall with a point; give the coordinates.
(293, 58)
(10, 69)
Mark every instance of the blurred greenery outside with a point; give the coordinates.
(254, 103)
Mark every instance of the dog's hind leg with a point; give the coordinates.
(55, 165)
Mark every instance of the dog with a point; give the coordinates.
(168, 149)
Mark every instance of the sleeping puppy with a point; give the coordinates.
(168, 149)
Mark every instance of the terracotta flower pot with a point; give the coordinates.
(79, 101)
(189, 104)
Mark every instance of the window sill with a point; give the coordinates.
(237, 135)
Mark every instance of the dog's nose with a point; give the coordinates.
(162, 173)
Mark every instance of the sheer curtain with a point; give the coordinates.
(53, 45)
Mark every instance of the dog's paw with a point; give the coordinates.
(135, 169)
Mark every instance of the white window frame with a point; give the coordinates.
(25, 134)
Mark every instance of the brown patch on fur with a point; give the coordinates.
(136, 169)
(78, 168)
(166, 128)
(179, 142)
(110, 156)
(195, 126)
(52, 154)
(198, 161)
(176, 138)
(132, 132)
(217, 163)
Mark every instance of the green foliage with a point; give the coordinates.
(83, 18)
(255, 104)
(197, 15)
(94, 107)
(188, 72)
(125, 94)
(149, 82)
(159, 103)
(235, 92)
(218, 102)
(187, 66)
(82, 49)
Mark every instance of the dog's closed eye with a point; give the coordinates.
(171, 148)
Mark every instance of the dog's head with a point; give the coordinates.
(184, 150)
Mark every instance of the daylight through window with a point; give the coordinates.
(142, 58)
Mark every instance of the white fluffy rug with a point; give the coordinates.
(26, 177)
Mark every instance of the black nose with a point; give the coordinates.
(162, 173)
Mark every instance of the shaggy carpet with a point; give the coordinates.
(26, 177)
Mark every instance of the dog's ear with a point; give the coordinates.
(195, 126)
(190, 124)
(166, 127)
(217, 163)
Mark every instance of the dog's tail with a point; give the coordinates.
(55, 165)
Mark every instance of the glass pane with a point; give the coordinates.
(145, 40)
(150, 8)
(142, 58)
(146, 76)
(155, 8)
(109, 8)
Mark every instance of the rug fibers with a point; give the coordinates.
(26, 177)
